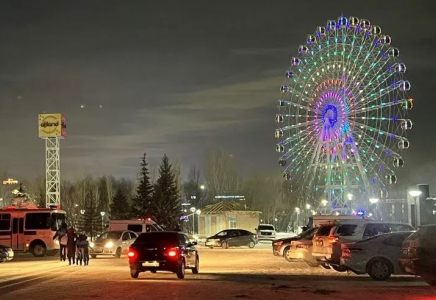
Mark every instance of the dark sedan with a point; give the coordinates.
(280, 246)
(232, 238)
(163, 251)
(6, 253)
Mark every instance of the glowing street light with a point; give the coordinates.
(308, 206)
(350, 196)
(202, 187)
(82, 211)
(192, 209)
(373, 200)
(324, 202)
(297, 210)
(415, 193)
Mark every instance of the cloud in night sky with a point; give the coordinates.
(178, 78)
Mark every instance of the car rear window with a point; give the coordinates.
(346, 229)
(324, 230)
(156, 237)
(308, 233)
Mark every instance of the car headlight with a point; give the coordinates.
(109, 245)
(91, 244)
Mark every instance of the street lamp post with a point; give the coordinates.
(193, 219)
(102, 213)
(374, 201)
(415, 194)
(198, 212)
(297, 210)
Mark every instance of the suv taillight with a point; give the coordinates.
(333, 240)
(173, 252)
(132, 254)
(301, 246)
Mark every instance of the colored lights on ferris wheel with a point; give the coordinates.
(342, 113)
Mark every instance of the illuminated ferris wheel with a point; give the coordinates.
(342, 115)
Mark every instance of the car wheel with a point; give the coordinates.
(2, 260)
(429, 278)
(118, 253)
(93, 256)
(134, 273)
(196, 269)
(181, 270)
(224, 245)
(379, 269)
(286, 254)
(251, 244)
(325, 266)
(38, 250)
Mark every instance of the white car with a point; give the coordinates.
(112, 243)
(378, 256)
(266, 232)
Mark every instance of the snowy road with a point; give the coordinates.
(224, 274)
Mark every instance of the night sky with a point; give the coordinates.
(180, 77)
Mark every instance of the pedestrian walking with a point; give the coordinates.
(71, 245)
(82, 250)
(62, 237)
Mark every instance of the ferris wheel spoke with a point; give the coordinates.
(344, 113)
(375, 107)
(377, 144)
(295, 104)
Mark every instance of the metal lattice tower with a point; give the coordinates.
(52, 171)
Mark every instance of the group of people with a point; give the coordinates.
(72, 245)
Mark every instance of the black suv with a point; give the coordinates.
(419, 254)
(163, 251)
(231, 238)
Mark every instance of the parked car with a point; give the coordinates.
(329, 237)
(6, 253)
(265, 232)
(114, 243)
(377, 256)
(163, 251)
(301, 249)
(419, 254)
(281, 246)
(232, 238)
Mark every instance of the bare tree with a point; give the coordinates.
(221, 174)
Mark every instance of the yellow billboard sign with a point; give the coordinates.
(52, 125)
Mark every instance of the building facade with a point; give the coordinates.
(226, 215)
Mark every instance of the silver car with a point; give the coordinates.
(6, 253)
(112, 243)
(378, 256)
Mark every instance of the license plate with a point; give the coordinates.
(150, 264)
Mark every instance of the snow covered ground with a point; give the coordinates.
(224, 274)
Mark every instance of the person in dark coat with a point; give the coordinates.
(71, 245)
(82, 250)
(61, 235)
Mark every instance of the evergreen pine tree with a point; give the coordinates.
(142, 205)
(119, 206)
(166, 197)
(91, 219)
